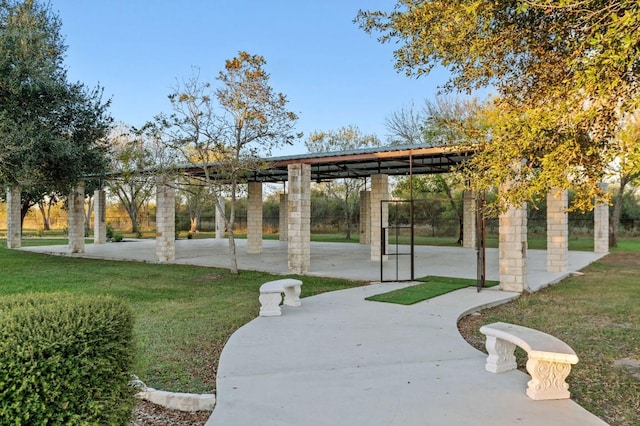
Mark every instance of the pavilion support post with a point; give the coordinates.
(557, 230)
(165, 221)
(14, 221)
(365, 217)
(299, 247)
(601, 226)
(254, 218)
(76, 219)
(283, 218)
(379, 215)
(220, 222)
(469, 219)
(99, 217)
(512, 251)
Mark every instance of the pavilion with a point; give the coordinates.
(375, 164)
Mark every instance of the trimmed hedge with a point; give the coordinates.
(65, 360)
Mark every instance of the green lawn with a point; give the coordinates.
(184, 315)
(598, 315)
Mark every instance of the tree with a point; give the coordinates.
(224, 132)
(429, 126)
(346, 190)
(52, 130)
(564, 73)
(197, 197)
(626, 169)
(132, 159)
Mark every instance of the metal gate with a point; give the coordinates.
(397, 251)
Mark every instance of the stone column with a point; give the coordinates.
(469, 219)
(254, 218)
(557, 230)
(99, 217)
(220, 222)
(14, 222)
(365, 217)
(601, 226)
(76, 219)
(283, 218)
(165, 221)
(512, 251)
(379, 216)
(299, 247)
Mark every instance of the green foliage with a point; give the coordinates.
(183, 314)
(224, 132)
(65, 359)
(566, 75)
(51, 129)
(117, 237)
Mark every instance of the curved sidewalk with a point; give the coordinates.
(341, 360)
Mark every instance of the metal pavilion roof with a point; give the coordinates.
(359, 163)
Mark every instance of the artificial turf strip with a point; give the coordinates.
(432, 287)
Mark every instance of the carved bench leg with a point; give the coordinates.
(270, 304)
(501, 357)
(292, 296)
(547, 379)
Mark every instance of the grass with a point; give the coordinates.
(184, 314)
(598, 315)
(433, 286)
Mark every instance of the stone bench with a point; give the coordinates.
(549, 358)
(271, 296)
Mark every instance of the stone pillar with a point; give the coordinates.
(14, 222)
(165, 221)
(99, 217)
(601, 226)
(379, 216)
(283, 218)
(220, 222)
(365, 217)
(299, 248)
(512, 252)
(469, 219)
(254, 218)
(557, 230)
(76, 219)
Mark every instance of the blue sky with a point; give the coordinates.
(333, 73)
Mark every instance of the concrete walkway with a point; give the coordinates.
(341, 360)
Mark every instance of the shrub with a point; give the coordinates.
(117, 237)
(109, 231)
(65, 359)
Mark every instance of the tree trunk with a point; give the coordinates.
(617, 211)
(233, 258)
(45, 213)
(454, 207)
(133, 216)
(194, 221)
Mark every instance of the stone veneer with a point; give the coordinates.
(557, 230)
(254, 218)
(99, 217)
(512, 252)
(14, 222)
(379, 214)
(299, 232)
(601, 226)
(469, 219)
(365, 217)
(283, 218)
(165, 221)
(76, 219)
